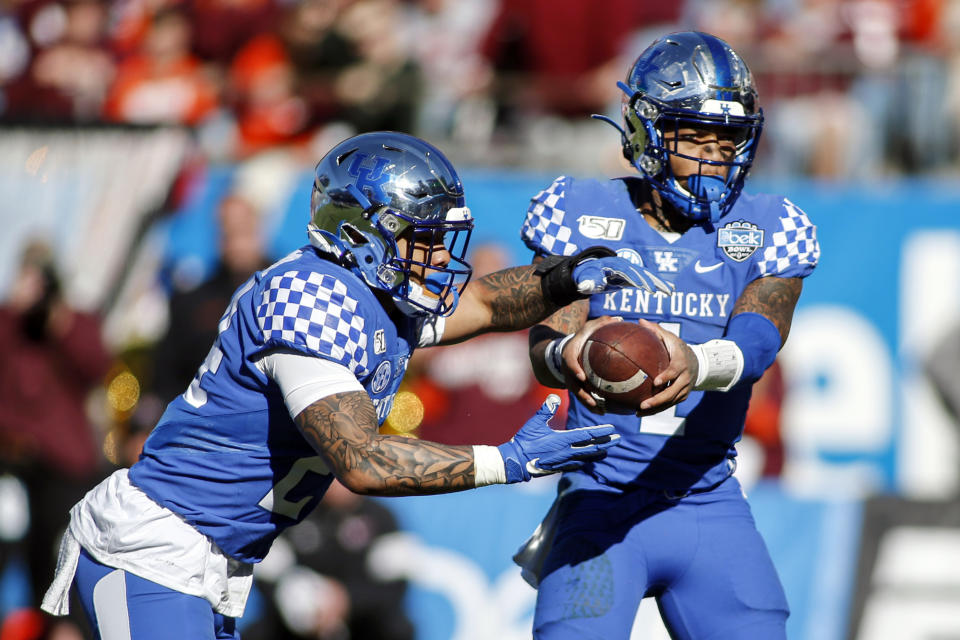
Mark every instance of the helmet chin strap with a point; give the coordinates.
(423, 303)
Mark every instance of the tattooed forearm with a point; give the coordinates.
(772, 297)
(343, 429)
(569, 319)
(515, 298)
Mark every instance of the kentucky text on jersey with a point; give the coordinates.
(689, 445)
(681, 303)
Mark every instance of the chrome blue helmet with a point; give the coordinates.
(691, 80)
(372, 189)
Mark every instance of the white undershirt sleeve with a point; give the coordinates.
(305, 379)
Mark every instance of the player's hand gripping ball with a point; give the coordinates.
(621, 360)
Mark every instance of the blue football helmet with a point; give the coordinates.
(691, 80)
(374, 188)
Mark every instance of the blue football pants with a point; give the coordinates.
(701, 557)
(122, 606)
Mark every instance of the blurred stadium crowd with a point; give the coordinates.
(852, 89)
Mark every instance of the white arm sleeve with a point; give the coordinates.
(305, 379)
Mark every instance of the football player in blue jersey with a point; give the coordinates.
(662, 515)
(310, 353)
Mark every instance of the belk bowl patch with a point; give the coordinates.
(739, 239)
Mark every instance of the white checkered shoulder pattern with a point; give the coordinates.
(795, 244)
(314, 311)
(544, 228)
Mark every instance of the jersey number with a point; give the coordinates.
(195, 395)
(276, 499)
(665, 423)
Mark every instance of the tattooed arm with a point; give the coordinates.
(568, 320)
(343, 429)
(774, 298)
(517, 298)
(506, 300)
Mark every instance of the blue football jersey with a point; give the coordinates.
(226, 455)
(690, 445)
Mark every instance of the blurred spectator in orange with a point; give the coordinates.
(269, 111)
(462, 385)
(163, 83)
(320, 581)
(195, 314)
(51, 358)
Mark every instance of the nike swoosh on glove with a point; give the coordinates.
(538, 450)
(596, 275)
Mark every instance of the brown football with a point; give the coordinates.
(621, 359)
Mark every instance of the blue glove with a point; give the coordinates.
(595, 275)
(538, 450)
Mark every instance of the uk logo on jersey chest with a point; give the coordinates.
(666, 261)
(598, 227)
(740, 239)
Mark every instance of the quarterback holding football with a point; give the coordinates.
(663, 515)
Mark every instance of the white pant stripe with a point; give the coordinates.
(110, 606)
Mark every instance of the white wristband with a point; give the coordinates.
(488, 466)
(721, 365)
(553, 355)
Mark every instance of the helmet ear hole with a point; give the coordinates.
(353, 235)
